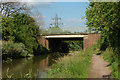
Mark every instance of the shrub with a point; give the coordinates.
(13, 50)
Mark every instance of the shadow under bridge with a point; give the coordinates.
(56, 43)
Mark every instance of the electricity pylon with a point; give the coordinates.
(56, 23)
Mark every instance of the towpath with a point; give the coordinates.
(99, 67)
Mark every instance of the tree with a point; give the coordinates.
(21, 27)
(55, 30)
(8, 8)
(105, 18)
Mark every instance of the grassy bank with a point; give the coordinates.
(75, 66)
(113, 59)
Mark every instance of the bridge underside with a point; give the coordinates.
(64, 38)
(58, 44)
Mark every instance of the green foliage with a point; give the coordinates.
(105, 18)
(13, 50)
(113, 59)
(55, 30)
(41, 50)
(75, 66)
(103, 43)
(7, 30)
(22, 28)
(66, 32)
(75, 45)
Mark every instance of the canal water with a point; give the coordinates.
(36, 66)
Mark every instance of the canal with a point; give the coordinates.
(36, 66)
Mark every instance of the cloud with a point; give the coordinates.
(74, 25)
(40, 16)
(75, 22)
(40, 3)
(43, 16)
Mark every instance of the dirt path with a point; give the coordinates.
(98, 67)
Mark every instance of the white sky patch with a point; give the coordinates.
(41, 16)
(75, 28)
(75, 25)
(74, 22)
(39, 3)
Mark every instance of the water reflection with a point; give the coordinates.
(37, 65)
(20, 67)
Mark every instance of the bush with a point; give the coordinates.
(13, 50)
(21, 28)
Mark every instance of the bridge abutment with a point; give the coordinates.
(44, 42)
(90, 40)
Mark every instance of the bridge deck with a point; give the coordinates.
(66, 36)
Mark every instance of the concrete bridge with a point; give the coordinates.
(88, 39)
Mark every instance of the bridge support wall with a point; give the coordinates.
(44, 42)
(90, 40)
(85, 43)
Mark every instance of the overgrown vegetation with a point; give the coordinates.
(75, 45)
(75, 66)
(13, 50)
(20, 30)
(54, 30)
(103, 17)
(109, 56)
(65, 46)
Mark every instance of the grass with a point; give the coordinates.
(110, 57)
(29, 74)
(76, 66)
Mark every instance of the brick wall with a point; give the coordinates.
(90, 40)
(44, 42)
(85, 42)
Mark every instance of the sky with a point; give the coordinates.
(71, 14)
